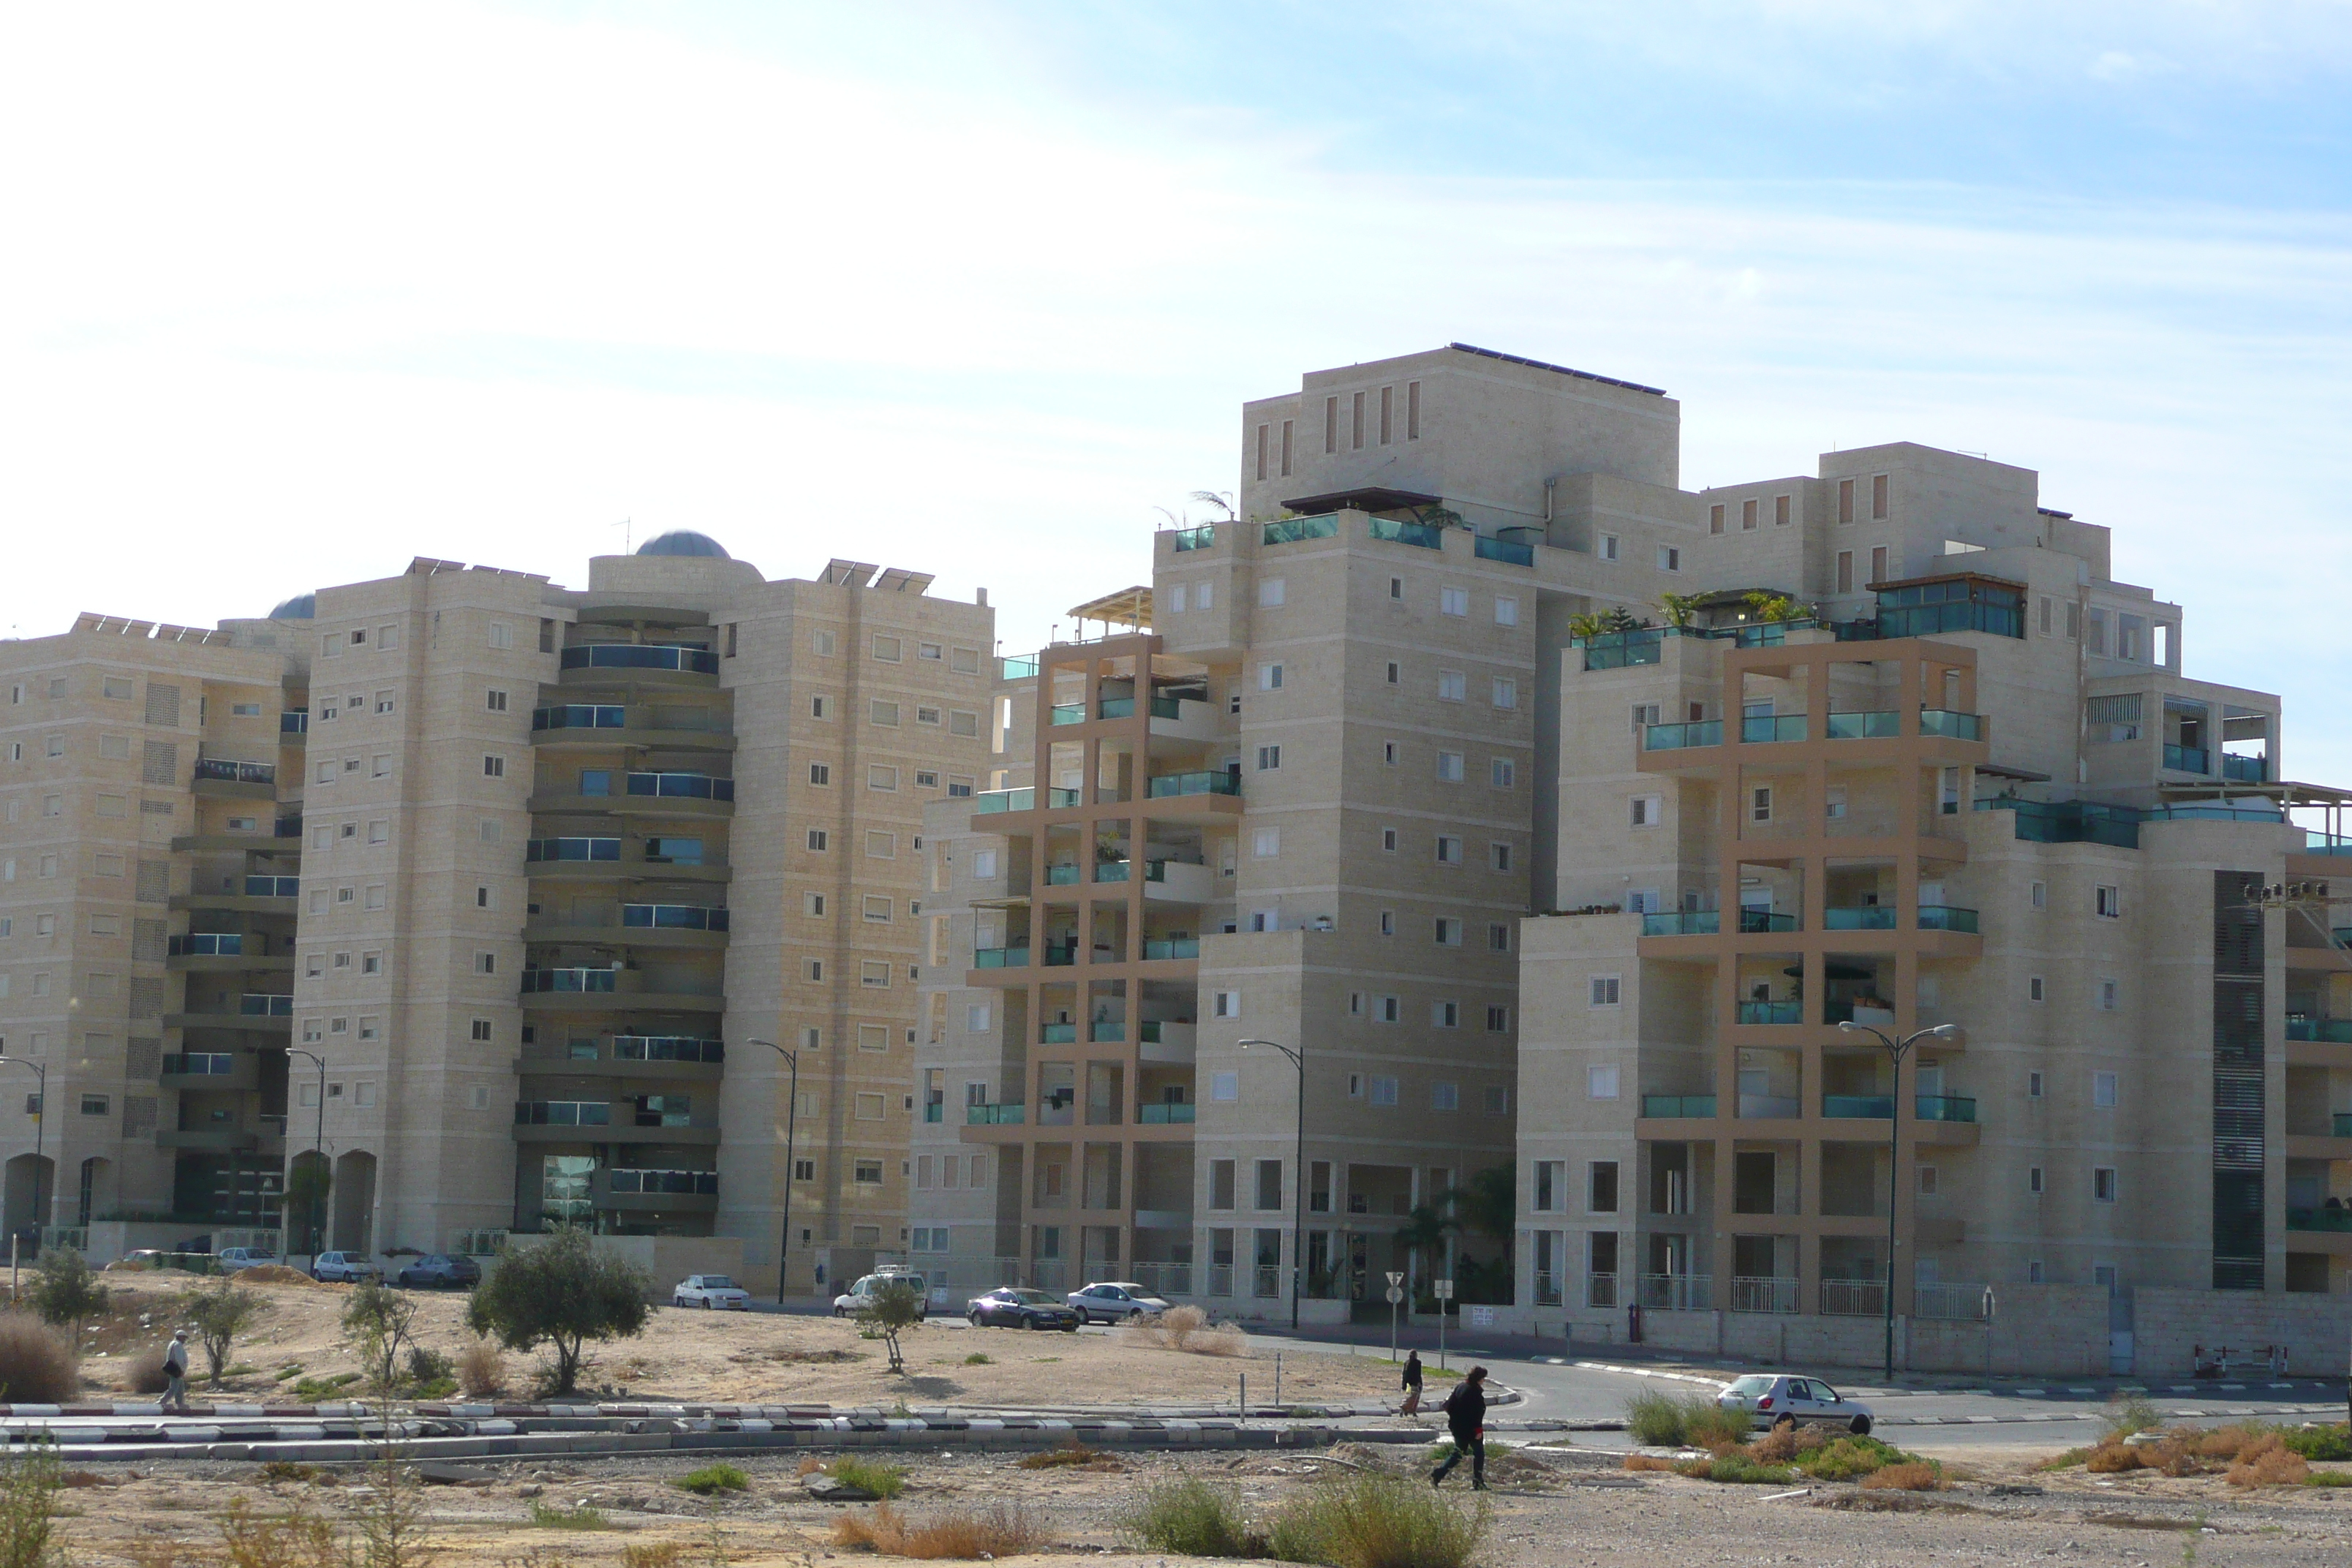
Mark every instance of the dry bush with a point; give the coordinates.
(2114, 1459)
(481, 1369)
(37, 1364)
(997, 1531)
(810, 1465)
(657, 1554)
(1225, 1340)
(298, 1539)
(1915, 1477)
(2234, 1442)
(1070, 1453)
(1647, 1462)
(1776, 1446)
(273, 1274)
(146, 1372)
(1179, 1324)
(2267, 1462)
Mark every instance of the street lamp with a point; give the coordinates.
(40, 1130)
(792, 1121)
(1298, 1056)
(318, 1153)
(1895, 1051)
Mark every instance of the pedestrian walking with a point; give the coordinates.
(1411, 1405)
(175, 1373)
(1466, 1418)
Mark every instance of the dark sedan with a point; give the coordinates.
(442, 1272)
(1011, 1307)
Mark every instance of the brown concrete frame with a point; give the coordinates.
(1915, 759)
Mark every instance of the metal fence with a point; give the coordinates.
(1269, 1280)
(1853, 1297)
(1950, 1302)
(1600, 1290)
(1751, 1293)
(1171, 1281)
(1221, 1278)
(1547, 1289)
(1677, 1292)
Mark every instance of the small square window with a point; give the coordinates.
(1606, 990)
(1670, 559)
(494, 767)
(1501, 772)
(1601, 1081)
(482, 1029)
(878, 909)
(496, 702)
(1453, 601)
(818, 839)
(1449, 767)
(1269, 677)
(2102, 1183)
(1449, 849)
(1269, 758)
(2104, 1089)
(1498, 857)
(1507, 610)
(1272, 592)
(1384, 1090)
(2109, 903)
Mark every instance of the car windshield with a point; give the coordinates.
(717, 1282)
(1752, 1384)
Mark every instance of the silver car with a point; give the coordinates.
(1773, 1401)
(1116, 1301)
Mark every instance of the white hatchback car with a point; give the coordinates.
(854, 1300)
(1116, 1301)
(1780, 1401)
(711, 1292)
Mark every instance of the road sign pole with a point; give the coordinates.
(1396, 1294)
(1444, 1296)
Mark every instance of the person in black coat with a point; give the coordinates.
(1411, 1405)
(1466, 1418)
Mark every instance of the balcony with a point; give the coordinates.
(673, 917)
(1164, 1115)
(2336, 1029)
(272, 886)
(1682, 922)
(1788, 1012)
(2187, 758)
(2319, 1219)
(537, 850)
(1865, 726)
(1857, 1107)
(1510, 550)
(1858, 917)
(1853, 1297)
(1771, 728)
(1186, 949)
(2071, 822)
(1165, 1040)
(1771, 1106)
(294, 722)
(1421, 535)
(641, 657)
(1948, 917)
(207, 944)
(1063, 876)
(210, 1071)
(1011, 1113)
(1291, 530)
(579, 980)
(1951, 726)
(1061, 953)
(1945, 1108)
(1106, 1032)
(1200, 538)
(1067, 713)
(1678, 1107)
(1166, 786)
(221, 771)
(935, 1113)
(1680, 737)
(681, 786)
(1763, 1295)
(1057, 1033)
(199, 1064)
(264, 1004)
(669, 1049)
(993, 800)
(1000, 958)
(579, 716)
(676, 1183)
(1621, 650)
(562, 1113)
(2245, 770)
(1676, 1292)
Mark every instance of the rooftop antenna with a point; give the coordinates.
(627, 532)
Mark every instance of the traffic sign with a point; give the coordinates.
(1395, 1278)
(1396, 1294)
(1445, 1290)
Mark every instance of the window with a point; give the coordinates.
(929, 650)
(372, 963)
(1266, 842)
(1498, 857)
(818, 838)
(1609, 547)
(2102, 1183)
(501, 634)
(2033, 1086)
(1501, 772)
(976, 1017)
(879, 776)
(1384, 1090)
(1498, 937)
(1389, 839)
(1449, 849)
(1759, 803)
(1225, 1087)
(1878, 565)
(820, 707)
(1269, 758)
(1226, 1004)
(1389, 753)
(1449, 767)
(2033, 1185)
(94, 1104)
(1271, 592)
(1606, 990)
(1453, 686)
(375, 896)
(1780, 512)
(1715, 518)
(1388, 922)
(1453, 601)
(1445, 1097)
(1269, 677)
(485, 963)
(821, 774)
(1388, 1010)
(883, 713)
(369, 1028)
(886, 649)
(1879, 484)
(2109, 903)
(379, 832)
(1601, 1081)
(2104, 1090)
(2033, 989)
(114, 746)
(2110, 996)
(868, 1171)
(494, 767)
(1396, 673)
(1926, 1181)
(873, 1036)
(873, 974)
(878, 907)
(1507, 610)
(1646, 810)
(2037, 895)
(482, 1029)
(1670, 559)
(1447, 931)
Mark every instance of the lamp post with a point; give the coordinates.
(318, 1151)
(1895, 1051)
(792, 1123)
(1298, 1056)
(40, 1130)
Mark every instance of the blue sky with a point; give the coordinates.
(300, 291)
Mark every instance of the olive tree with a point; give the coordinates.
(562, 1294)
(891, 1310)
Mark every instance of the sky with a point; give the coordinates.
(294, 293)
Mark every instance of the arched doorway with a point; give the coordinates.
(26, 1176)
(353, 1201)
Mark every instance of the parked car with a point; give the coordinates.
(857, 1295)
(1116, 1301)
(711, 1292)
(1011, 1307)
(345, 1267)
(1778, 1401)
(442, 1270)
(232, 1259)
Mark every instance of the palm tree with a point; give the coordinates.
(1217, 499)
(1679, 609)
(1424, 1232)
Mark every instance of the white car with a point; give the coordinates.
(711, 1292)
(1114, 1301)
(854, 1300)
(236, 1258)
(1778, 1401)
(350, 1268)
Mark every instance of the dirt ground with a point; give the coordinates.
(1550, 1507)
(738, 1357)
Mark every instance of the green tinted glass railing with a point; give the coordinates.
(1861, 1107)
(1951, 725)
(1291, 529)
(2338, 1030)
(1109, 1032)
(2342, 1124)
(1510, 550)
(1754, 921)
(1865, 726)
(1678, 1106)
(1016, 669)
(1061, 953)
(1426, 536)
(1944, 1108)
(1766, 728)
(1682, 922)
(1009, 1115)
(1619, 650)
(1115, 708)
(1061, 875)
(1163, 1115)
(1112, 870)
(1200, 538)
(1771, 1012)
(1001, 958)
(1057, 1033)
(1202, 783)
(2318, 1219)
(1069, 713)
(2186, 759)
(1946, 917)
(1859, 917)
(1004, 800)
(1680, 737)
(1187, 947)
(1168, 706)
(2245, 770)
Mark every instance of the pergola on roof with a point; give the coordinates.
(1127, 608)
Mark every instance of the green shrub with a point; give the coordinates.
(1189, 1517)
(1379, 1522)
(977, 1358)
(711, 1479)
(1737, 1468)
(2127, 1415)
(2328, 1478)
(869, 1475)
(1851, 1458)
(1710, 1425)
(1656, 1420)
(2319, 1443)
(28, 1508)
(581, 1517)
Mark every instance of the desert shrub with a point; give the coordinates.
(2319, 1442)
(562, 1294)
(429, 1367)
(28, 1508)
(1647, 1462)
(654, 1554)
(381, 1322)
(1224, 1340)
(146, 1374)
(1188, 1517)
(1379, 1522)
(296, 1539)
(712, 1480)
(1776, 1446)
(1070, 1452)
(2126, 1416)
(998, 1531)
(547, 1517)
(1179, 1324)
(979, 1358)
(2114, 1459)
(2233, 1442)
(2328, 1478)
(868, 1475)
(1657, 1420)
(2267, 1462)
(893, 1309)
(1849, 1458)
(37, 1364)
(1734, 1465)
(1911, 1476)
(1710, 1425)
(481, 1369)
(64, 1290)
(219, 1312)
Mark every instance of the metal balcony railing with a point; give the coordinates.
(199, 1064)
(1186, 948)
(224, 771)
(1950, 1302)
(1944, 1108)
(1600, 1290)
(1858, 917)
(2187, 758)
(1057, 1033)
(1547, 1289)
(1948, 917)
(1857, 1107)
(681, 1184)
(673, 917)
(1677, 737)
(1682, 922)
(2245, 770)
(1757, 1294)
(1000, 958)
(989, 800)
(1677, 1292)
(1853, 1297)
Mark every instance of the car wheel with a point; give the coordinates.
(1785, 1423)
(1034, 1322)
(1860, 1426)
(1069, 1327)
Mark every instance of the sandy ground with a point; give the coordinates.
(731, 1357)
(1552, 1507)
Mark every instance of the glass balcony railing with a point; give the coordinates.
(199, 1064)
(1115, 708)
(563, 1113)
(2338, 1030)
(641, 656)
(570, 849)
(1163, 1115)
(667, 1048)
(294, 722)
(1200, 538)
(681, 786)
(1063, 876)
(1763, 728)
(2298, 1218)
(580, 716)
(1946, 917)
(1858, 917)
(1068, 713)
(1106, 1032)
(2340, 1124)
(1681, 737)
(1183, 947)
(1112, 870)
(673, 917)
(1678, 1107)
(1291, 530)
(1788, 1012)
(1000, 958)
(1951, 725)
(579, 979)
(1756, 921)
(207, 944)
(1682, 922)
(1858, 1107)
(2245, 770)
(2071, 821)
(2187, 758)
(1016, 669)
(1944, 1108)
(263, 1005)
(272, 886)
(935, 1113)
(1424, 535)
(221, 770)
(1510, 550)
(1061, 953)
(1057, 1033)
(1865, 726)
(989, 800)
(674, 1183)
(1202, 783)
(1621, 650)
(1011, 1114)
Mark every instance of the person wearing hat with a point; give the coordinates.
(175, 1373)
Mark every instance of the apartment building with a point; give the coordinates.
(503, 870)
